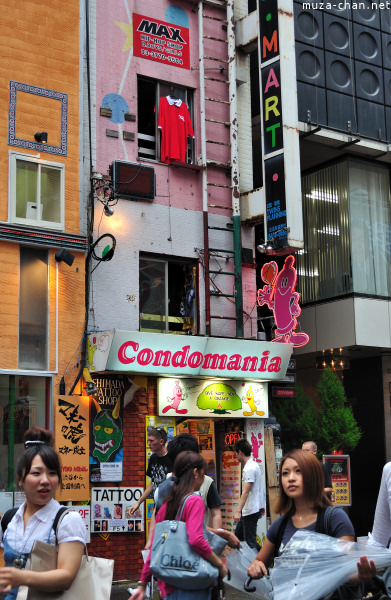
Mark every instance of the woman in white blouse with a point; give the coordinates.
(39, 474)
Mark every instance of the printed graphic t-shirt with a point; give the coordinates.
(175, 124)
(158, 467)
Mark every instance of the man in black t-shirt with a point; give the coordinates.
(160, 463)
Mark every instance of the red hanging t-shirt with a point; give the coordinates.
(174, 121)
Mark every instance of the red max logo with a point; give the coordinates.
(154, 28)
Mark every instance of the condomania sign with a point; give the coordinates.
(185, 356)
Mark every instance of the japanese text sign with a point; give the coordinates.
(72, 444)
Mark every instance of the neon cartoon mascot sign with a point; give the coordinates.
(280, 296)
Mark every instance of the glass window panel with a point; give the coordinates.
(324, 264)
(26, 190)
(152, 295)
(51, 194)
(168, 296)
(369, 197)
(23, 402)
(37, 193)
(33, 308)
(347, 232)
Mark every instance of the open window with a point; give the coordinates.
(149, 92)
(168, 296)
(36, 192)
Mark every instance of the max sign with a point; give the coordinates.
(160, 41)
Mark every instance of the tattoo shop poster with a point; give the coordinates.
(110, 510)
(106, 439)
(71, 442)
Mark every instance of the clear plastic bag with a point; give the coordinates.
(238, 562)
(313, 565)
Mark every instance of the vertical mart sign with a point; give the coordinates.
(160, 41)
(281, 164)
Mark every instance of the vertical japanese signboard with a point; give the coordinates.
(106, 443)
(72, 443)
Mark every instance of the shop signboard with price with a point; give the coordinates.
(339, 466)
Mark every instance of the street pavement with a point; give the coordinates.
(119, 592)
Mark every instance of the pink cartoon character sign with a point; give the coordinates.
(280, 296)
(175, 401)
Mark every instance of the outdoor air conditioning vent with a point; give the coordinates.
(133, 181)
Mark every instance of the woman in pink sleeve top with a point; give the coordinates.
(189, 469)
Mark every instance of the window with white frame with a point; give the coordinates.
(36, 192)
(149, 92)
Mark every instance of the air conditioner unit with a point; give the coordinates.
(132, 181)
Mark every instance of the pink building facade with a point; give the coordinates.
(132, 78)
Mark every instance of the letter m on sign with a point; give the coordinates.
(269, 46)
(147, 26)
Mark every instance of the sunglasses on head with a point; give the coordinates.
(160, 429)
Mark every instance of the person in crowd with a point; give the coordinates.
(208, 492)
(381, 530)
(160, 463)
(301, 501)
(190, 471)
(39, 474)
(313, 448)
(252, 501)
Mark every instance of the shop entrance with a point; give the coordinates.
(216, 439)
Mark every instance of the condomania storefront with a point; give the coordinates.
(213, 388)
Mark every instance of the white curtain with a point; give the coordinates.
(369, 207)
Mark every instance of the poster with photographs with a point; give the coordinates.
(110, 510)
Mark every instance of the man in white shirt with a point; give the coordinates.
(252, 501)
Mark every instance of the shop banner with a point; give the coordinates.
(184, 356)
(71, 442)
(339, 466)
(223, 399)
(160, 41)
(106, 439)
(110, 510)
